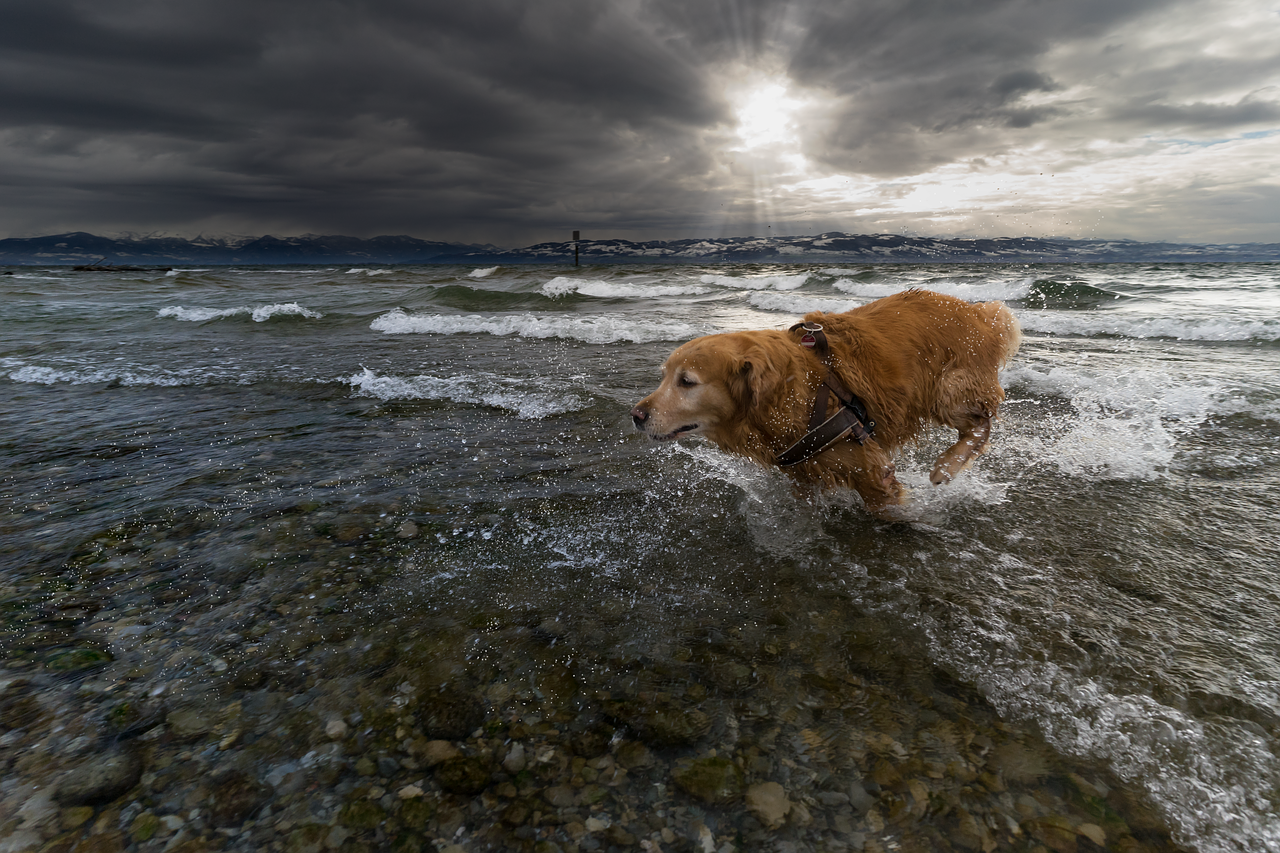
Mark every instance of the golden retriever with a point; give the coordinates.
(912, 358)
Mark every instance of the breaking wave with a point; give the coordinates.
(509, 393)
(562, 286)
(260, 314)
(599, 329)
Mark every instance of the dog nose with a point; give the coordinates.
(639, 416)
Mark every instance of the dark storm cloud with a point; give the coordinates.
(913, 75)
(502, 120)
(297, 114)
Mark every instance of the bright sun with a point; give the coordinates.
(766, 116)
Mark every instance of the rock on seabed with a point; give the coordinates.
(768, 802)
(714, 780)
(101, 778)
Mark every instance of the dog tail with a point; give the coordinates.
(1005, 325)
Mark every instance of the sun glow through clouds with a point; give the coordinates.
(764, 150)
(766, 117)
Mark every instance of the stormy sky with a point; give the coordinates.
(516, 121)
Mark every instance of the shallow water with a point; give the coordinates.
(289, 536)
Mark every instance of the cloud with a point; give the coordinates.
(505, 121)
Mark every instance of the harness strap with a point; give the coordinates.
(849, 420)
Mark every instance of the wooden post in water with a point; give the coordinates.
(575, 248)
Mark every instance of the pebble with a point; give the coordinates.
(100, 778)
(1094, 833)
(433, 752)
(712, 779)
(515, 760)
(768, 802)
(70, 818)
(235, 797)
(189, 723)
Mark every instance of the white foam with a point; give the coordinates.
(1189, 399)
(260, 314)
(1187, 327)
(601, 329)
(177, 272)
(979, 290)
(1122, 427)
(1124, 424)
(778, 522)
(758, 282)
(357, 270)
(507, 393)
(792, 303)
(483, 273)
(286, 309)
(199, 315)
(563, 285)
(37, 375)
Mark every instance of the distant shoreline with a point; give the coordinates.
(79, 248)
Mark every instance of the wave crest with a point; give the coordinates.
(260, 314)
(498, 392)
(602, 329)
(563, 286)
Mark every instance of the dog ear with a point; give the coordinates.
(758, 376)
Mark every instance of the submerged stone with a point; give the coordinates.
(75, 816)
(432, 752)
(188, 723)
(19, 708)
(632, 754)
(417, 812)
(592, 742)
(77, 660)
(235, 798)
(308, 838)
(1055, 832)
(100, 779)
(467, 775)
(362, 814)
(449, 714)
(713, 780)
(660, 723)
(144, 826)
(769, 804)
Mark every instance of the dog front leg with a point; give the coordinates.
(877, 482)
(975, 435)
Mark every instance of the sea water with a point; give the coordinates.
(259, 521)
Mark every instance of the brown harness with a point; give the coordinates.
(849, 420)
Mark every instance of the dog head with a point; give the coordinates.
(709, 384)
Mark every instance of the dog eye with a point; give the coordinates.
(686, 381)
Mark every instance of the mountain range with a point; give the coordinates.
(79, 248)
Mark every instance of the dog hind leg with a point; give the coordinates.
(975, 435)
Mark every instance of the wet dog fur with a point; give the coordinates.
(914, 358)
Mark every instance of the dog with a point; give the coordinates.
(889, 368)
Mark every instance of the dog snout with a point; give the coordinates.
(639, 415)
